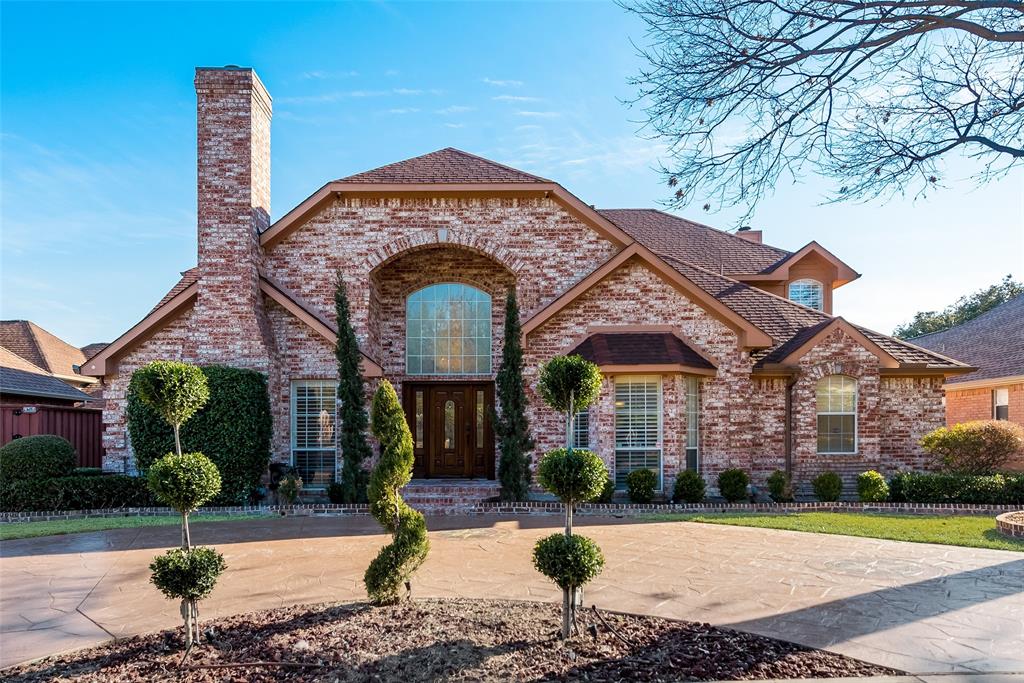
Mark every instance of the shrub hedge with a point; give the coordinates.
(76, 493)
(608, 492)
(871, 487)
(689, 488)
(42, 456)
(780, 488)
(828, 486)
(995, 489)
(233, 429)
(640, 485)
(732, 484)
(981, 447)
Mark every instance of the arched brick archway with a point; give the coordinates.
(442, 237)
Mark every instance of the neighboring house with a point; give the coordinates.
(34, 401)
(717, 350)
(47, 352)
(994, 343)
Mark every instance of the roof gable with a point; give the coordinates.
(750, 335)
(41, 348)
(19, 377)
(448, 165)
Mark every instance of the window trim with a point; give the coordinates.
(807, 281)
(661, 427)
(856, 420)
(996, 405)
(293, 426)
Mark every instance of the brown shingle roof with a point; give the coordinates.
(19, 377)
(789, 323)
(188, 277)
(701, 245)
(639, 348)
(90, 350)
(993, 342)
(448, 165)
(39, 347)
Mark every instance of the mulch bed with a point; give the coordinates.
(429, 640)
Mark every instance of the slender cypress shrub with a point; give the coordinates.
(396, 562)
(511, 426)
(355, 450)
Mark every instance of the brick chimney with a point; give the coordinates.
(233, 123)
(749, 234)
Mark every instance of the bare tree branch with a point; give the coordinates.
(875, 95)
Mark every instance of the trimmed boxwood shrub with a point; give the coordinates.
(732, 484)
(995, 489)
(76, 493)
(981, 447)
(828, 486)
(43, 456)
(871, 487)
(233, 429)
(569, 561)
(689, 488)
(780, 488)
(640, 485)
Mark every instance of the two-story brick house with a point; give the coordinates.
(717, 350)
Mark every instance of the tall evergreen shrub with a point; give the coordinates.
(233, 429)
(355, 450)
(511, 426)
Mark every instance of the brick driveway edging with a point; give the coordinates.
(529, 508)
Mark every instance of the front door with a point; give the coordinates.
(451, 429)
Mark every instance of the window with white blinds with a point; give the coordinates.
(313, 419)
(581, 430)
(637, 426)
(693, 424)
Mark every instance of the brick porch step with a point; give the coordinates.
(430, 494)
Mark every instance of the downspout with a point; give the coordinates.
(790, 383)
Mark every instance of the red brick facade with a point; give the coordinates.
(967, 405)
(391, 243)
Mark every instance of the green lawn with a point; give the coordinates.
(974, 532)
(74, 526)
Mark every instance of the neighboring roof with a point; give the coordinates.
(18, 377)
(448, 165)
(675, 237)
(90, 350)
(640, 349)
(993, 342)
(44, 350)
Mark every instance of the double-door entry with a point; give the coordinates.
(451, 428)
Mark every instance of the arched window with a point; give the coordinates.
(837, 414)
(448, 331)
(810, 293)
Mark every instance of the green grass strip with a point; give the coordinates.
(968, 531)
(9, 532)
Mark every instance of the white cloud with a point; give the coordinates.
(539, 114)
(407, 91)
(325, 75)
(499, 83)
(454, 109)
(455, 125)
(515, 98)
(406, 110)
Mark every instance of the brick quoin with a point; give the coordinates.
(388, 245)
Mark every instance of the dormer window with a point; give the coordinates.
(810, 293)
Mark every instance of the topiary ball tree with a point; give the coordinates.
(575, 476)
(396, 562)
(32, 458)
(569, 384)
(184, 482)
(189, 576)
(175, 390)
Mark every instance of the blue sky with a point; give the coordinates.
(98, 143)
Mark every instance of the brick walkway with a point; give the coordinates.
(918, 607)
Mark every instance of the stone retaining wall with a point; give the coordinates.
(1011, 524)
(531, 508)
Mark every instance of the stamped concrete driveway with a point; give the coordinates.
(921, 608)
